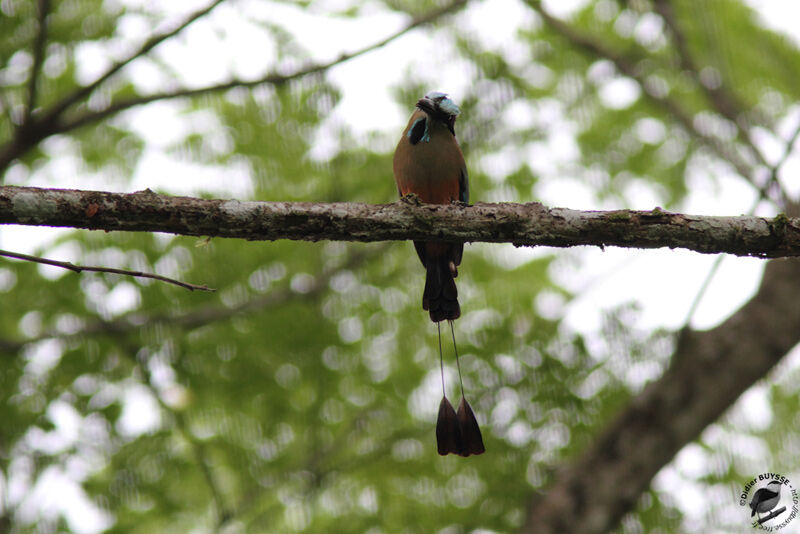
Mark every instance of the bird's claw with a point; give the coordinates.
(412, 199)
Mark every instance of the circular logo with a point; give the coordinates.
(771, 500)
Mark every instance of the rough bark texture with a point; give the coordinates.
(708, 372)
(521, 224)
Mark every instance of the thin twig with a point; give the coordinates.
(5, 105)
(271, 78)
(223, 513)
(82, 92)
(319, 470)
(629, 69)
(38, 59)
(52, 122)
(775, 169)
(197, 447)
(761, 196)
(195, 318)
(707, 373)
(82, 268)
(712, 272)
(723, 100)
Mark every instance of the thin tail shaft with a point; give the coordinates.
(457, 432)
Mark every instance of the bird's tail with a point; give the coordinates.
(440, 297)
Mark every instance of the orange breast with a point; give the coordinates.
(429, 169)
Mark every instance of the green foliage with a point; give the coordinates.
(302, 395)
(756, 71)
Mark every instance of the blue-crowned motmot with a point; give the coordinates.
(429, 164)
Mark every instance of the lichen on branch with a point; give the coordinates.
(528, 224)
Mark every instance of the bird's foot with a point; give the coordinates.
(412, 199)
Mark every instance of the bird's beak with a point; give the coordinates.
(426, 105)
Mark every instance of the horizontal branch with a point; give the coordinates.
(707, 373)
(527, 224)
(110, 270)
(196, 317)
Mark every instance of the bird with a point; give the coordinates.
(428, 163)
(765, 499)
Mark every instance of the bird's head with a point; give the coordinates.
(439, 107)
(775, 486)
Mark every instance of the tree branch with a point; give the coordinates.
(82, 92)
(81, 268)
(773, 180)
(762, 195)
(724, 101)
(200, 316)
(527, 224)
(52, 122)
(271, 78)
(37, 127)
(199, 451)
(38, 58)
(708, 372)
(629, 69)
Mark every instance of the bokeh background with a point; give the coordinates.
(302, 395)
